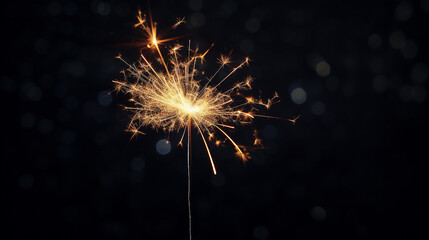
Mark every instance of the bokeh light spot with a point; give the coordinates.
(403, 11)
(323, 69)
(103, 8)
(260, 233)
(318, 213)
(298, 95)
(163, 147)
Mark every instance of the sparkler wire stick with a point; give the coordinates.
(189, 162)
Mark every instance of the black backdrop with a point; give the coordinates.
(352, 166)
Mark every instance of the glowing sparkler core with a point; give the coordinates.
(192, 109)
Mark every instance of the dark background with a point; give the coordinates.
(353, 166)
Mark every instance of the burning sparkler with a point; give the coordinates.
(172, 95)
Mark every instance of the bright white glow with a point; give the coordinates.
(192, 109)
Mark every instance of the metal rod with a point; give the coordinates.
(189, 163)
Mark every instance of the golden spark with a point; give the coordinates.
(293, 120)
